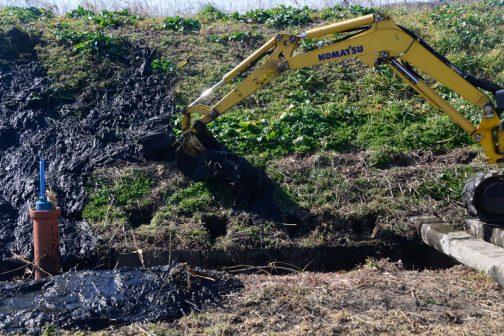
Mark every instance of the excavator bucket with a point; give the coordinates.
(202, 158)
(196, 145)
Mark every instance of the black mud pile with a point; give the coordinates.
(215, 163)
(96, 299)
(75, 133)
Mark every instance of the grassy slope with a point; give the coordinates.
(336, 107)
(367, 114)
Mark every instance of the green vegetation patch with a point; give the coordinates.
(28, 14)
(340, 12)
(279, 17)
(107, 199)
(106, 18)
(96, 43)
(240, 37)
(177, 23)
(306, 115)
(163, 64)
(210, 13)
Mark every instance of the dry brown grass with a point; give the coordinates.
(378, 298)
(339, 199)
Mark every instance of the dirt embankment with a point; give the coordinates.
(321, 199)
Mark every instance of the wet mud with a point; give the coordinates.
(126, 121)
(93, 300)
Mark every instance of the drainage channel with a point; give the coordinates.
(414, 255)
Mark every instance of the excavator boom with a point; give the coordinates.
(373, 39)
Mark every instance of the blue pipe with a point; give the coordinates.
(42, 180)
(42, 204)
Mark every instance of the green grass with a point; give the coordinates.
(342, 107)
(108, 199)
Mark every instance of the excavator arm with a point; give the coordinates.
(373, 39)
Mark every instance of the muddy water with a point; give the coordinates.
(96, 299)
(75, 132)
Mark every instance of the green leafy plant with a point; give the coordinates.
(210, 13)
(28, 14)
(240, 37)
(301, 129)
(106, 19)
(81, 13)
(97, 43)
(181, 24)
(344, 12)
(120, 18)
(163, 64)
(278, 17)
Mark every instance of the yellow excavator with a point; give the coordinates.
(373, 39)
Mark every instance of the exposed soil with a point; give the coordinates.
(378, 298)
(121, 118)
(75, 134)
(128, 121)
(93, 300)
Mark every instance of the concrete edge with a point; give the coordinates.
(475, 253)
(488, 232)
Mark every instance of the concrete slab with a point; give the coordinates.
(488, 232)
(463, 247)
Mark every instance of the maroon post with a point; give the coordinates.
(46, 242)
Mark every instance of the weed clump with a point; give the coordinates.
(340, 12)
(181, 24)
(240, 37)
(163, 64)
(96, 43)
(115, 18)
(81, 13)
(209, 13)
(105, 19)
(279, 17)
(29, 14)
